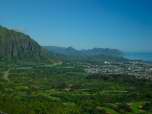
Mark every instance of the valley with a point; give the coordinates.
(75, 56)
(57, 80)
(66, 88)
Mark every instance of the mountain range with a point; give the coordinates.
(17, 46)
(95, 55)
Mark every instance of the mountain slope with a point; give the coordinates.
(18, 46)
(95, 55)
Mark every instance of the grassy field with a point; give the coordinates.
(68, 89)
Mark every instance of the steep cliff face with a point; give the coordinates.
(16, 45)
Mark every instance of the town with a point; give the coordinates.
(139, 69)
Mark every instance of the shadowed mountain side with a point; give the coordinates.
(16, 46)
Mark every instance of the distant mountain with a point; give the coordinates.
(62, 50)
(17, 46)
(94, 55)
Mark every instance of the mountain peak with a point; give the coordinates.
(19, 46)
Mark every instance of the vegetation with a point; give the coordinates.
(19, 47)
(93, 56)
(67, 89)
(64, 87)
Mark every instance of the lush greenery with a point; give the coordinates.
(93, 56)
(19, 47)
(67, 89)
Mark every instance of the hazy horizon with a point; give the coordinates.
(83, 24)
(125, 51)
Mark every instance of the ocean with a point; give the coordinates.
(139, 56)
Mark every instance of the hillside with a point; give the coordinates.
(96, 55)
(17, 46)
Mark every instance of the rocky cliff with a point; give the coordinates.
(19, 46)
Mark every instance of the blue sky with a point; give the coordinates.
(120, 24)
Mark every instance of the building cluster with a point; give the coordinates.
(136, 68)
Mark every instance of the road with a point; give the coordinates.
(6, 74)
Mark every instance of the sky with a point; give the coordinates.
(82, 24)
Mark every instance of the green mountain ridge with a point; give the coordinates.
(17, 46)
(95, 55)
